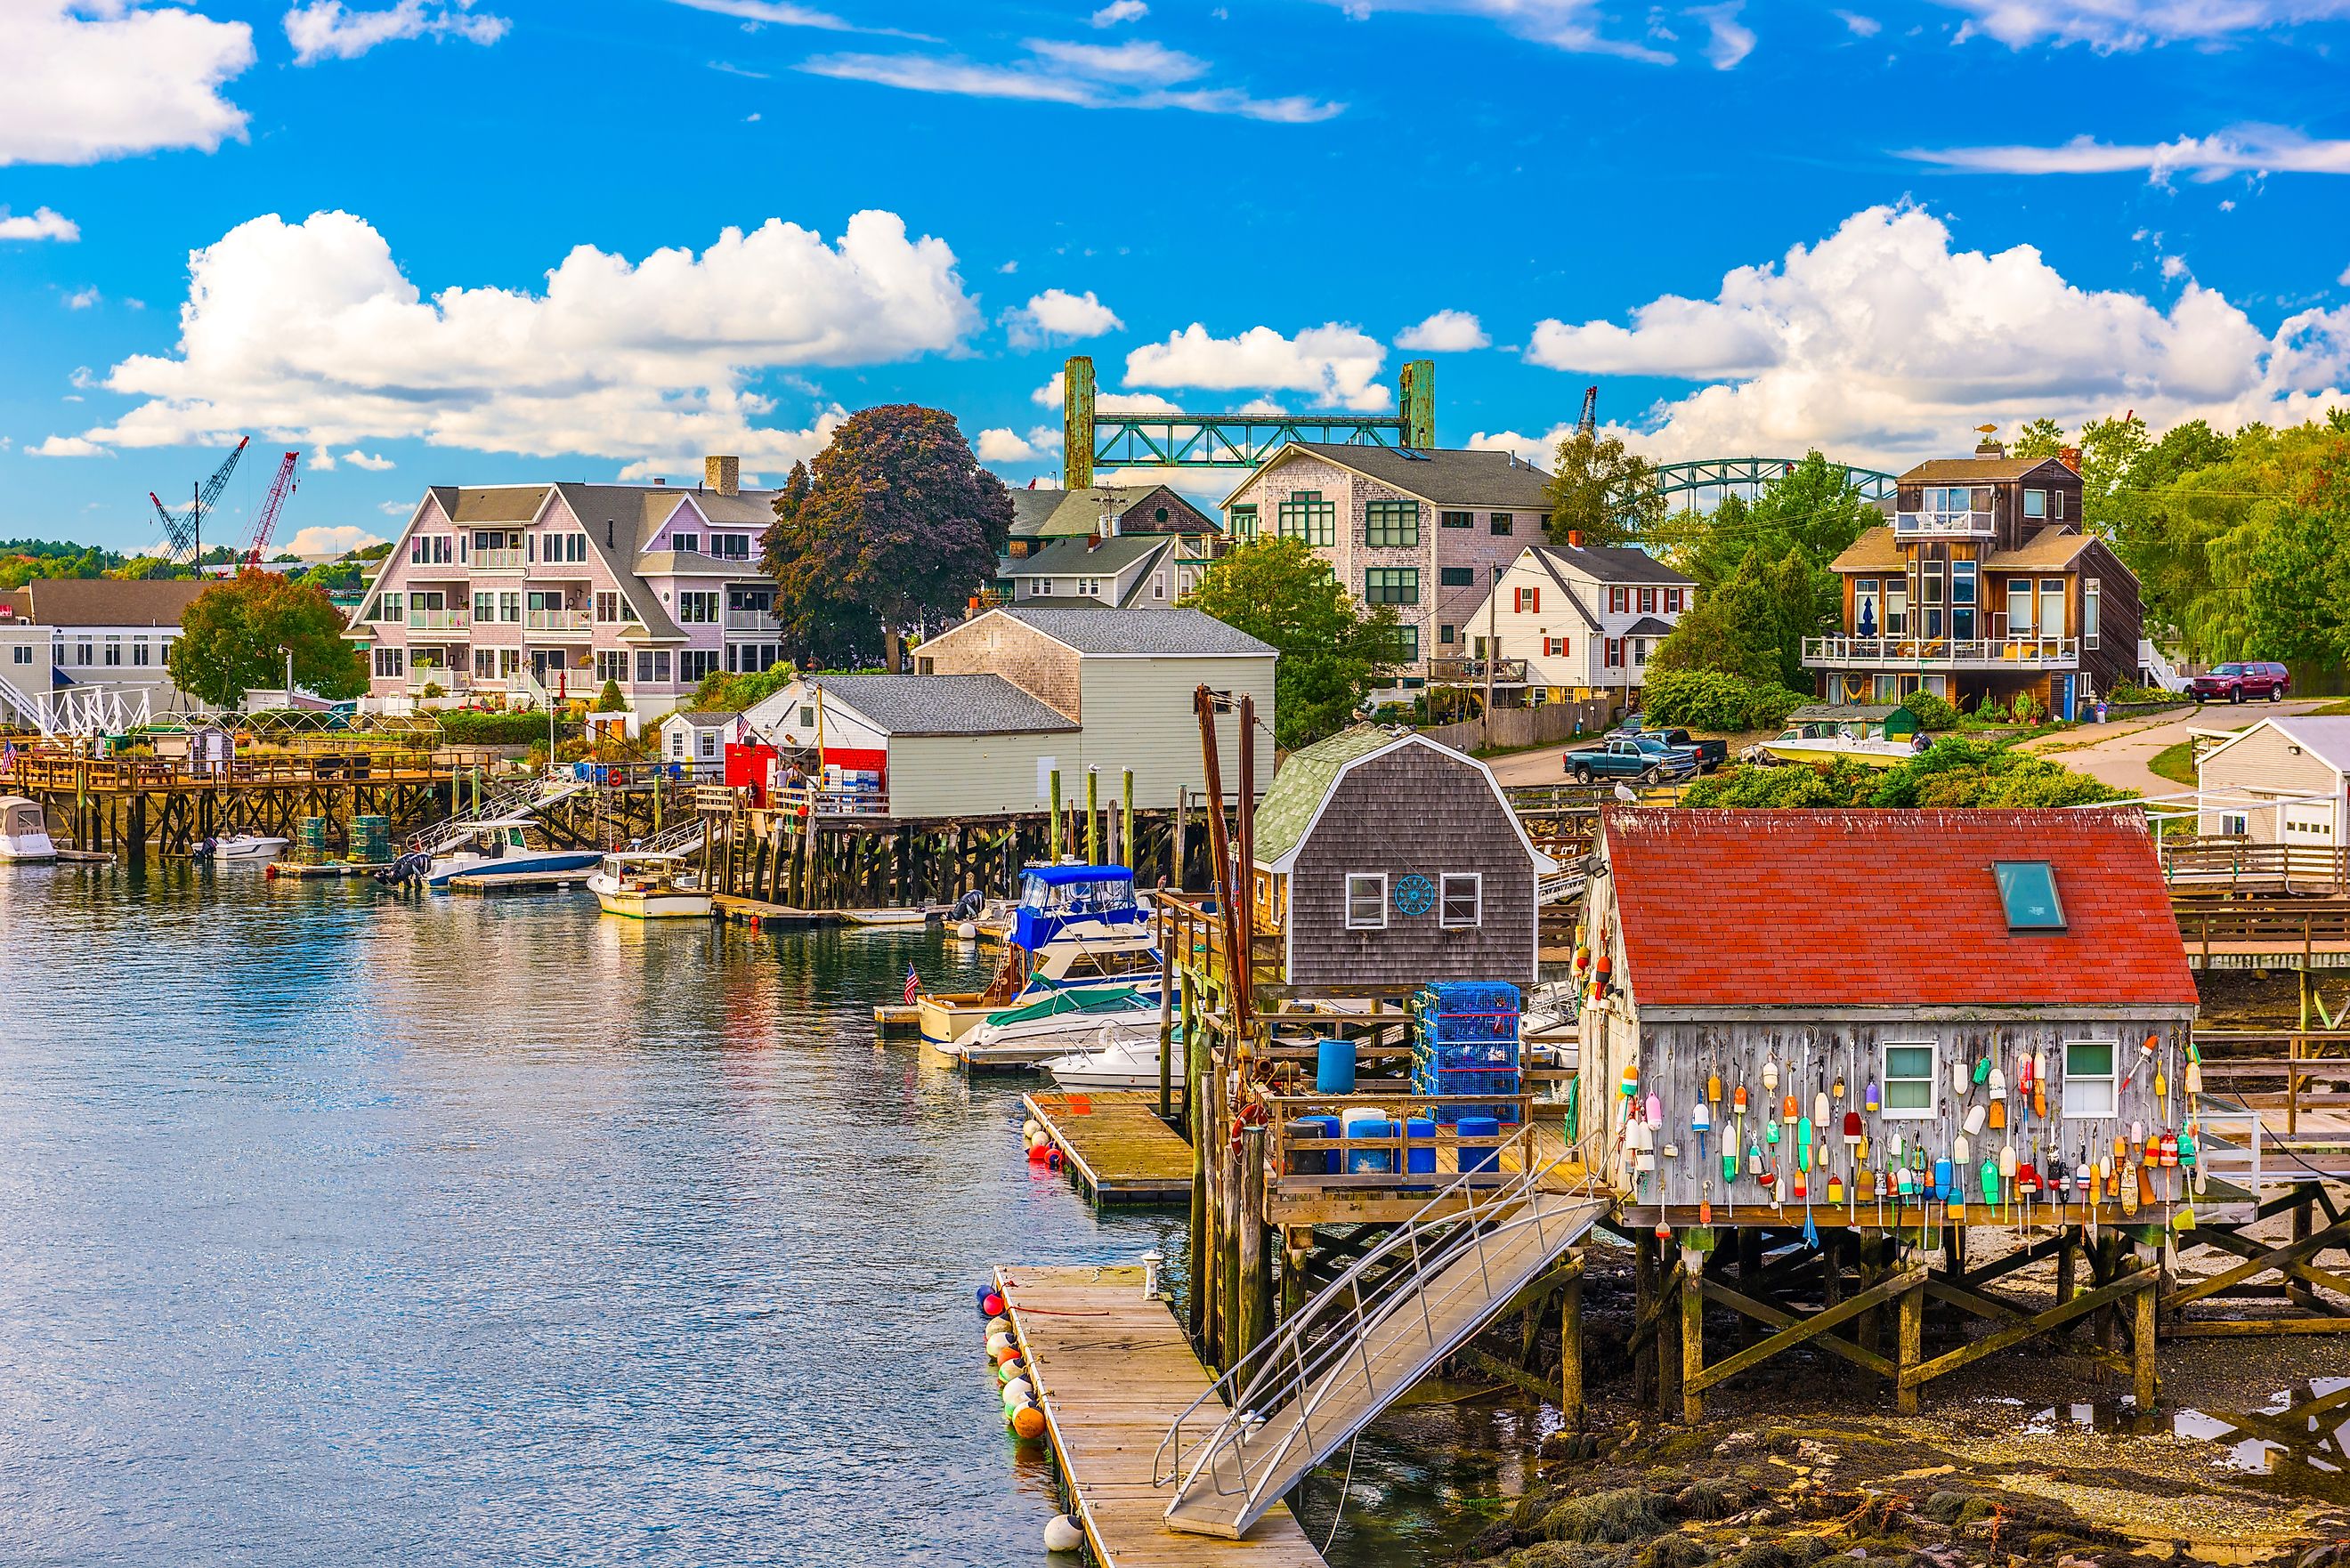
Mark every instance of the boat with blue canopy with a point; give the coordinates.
(1076, 929)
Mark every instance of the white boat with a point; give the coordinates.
(1872, 736)
(1074, 926)
(886, 918)
(498, 848)
(1111, 1060)
(23, 831)
(1058, 1020)
(648, 886)
(247, 847)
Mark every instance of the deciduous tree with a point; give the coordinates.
(1602, 489)
(1334, 651)
(234, 635)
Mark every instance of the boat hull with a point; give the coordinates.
(513, 866)
(1033, 1042)
(245, 847)
(27, 847)
(654, 906)
(1823, 752)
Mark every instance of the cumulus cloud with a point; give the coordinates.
(102, 78)
(82, 299)
(1118, 11)
(1446, 332)
(67, 446)
(395, 508)
(1050, 396)
(1727, 40)
(2239, 150)
(1133, 75)
(311, 332)
(1057, 313)
(358, 459)
(327, 30)
(339, 540)
(1336, 365)
(1574, 26)
(1884, 341)
(2111, 25)
(41, 223)
(1860, 27)
(1003, 445)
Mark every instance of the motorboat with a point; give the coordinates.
(496, 849)
(1074, 926)
(648, 886)
(1111, 1060)
(261, 847)
(1050, 1020)
(1872, 736)
(23, 830)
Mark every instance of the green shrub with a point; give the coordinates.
(476, 727)
(609, 701)
(1954, 772)
(2127, 694)
(1711, 700)
(1933, 712)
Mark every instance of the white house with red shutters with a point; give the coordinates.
(555, 588)
(1572, 621)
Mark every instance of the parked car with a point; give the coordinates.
(2237, 682)
(1644, 757)
(1711, 754)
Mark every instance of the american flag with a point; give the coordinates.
(913, 985)
(741, 730)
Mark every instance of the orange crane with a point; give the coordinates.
(279, 489)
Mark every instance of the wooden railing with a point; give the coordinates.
(2224, 865)
(2278, 926)
(1297, 1167)
(30, 773)
(2290, 1070)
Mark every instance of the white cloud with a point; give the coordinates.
(2173, 268)
(311, 332)
(2239, 150)
(1861, 26)
(67, 446)
(1727, 40)
(772, 13)
(2344, 279)
(732, 69)
(1057, 313)
(1882, 341)
(101, 78)
(323, 460)
(1083, 76)
(339, 540)
(1118, 11)
(395, 508)
(358, 459)
(1002, 445)
(1336, 365)
(41, 223)
(2110, 25)
(1446, 332)
(82, 299)
(1570, 24)
(327, 30)
(1049, 396)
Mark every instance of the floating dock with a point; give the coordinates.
(1112, 1370)
(758, 912)
(309, 870)
(1116, 1146)
(493, 882)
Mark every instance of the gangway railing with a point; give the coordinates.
(517, 800)
(1364, 1339)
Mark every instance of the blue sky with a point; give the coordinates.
(440, 243)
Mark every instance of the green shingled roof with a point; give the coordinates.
(1303, 783)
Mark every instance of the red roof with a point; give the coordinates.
(1869, 908)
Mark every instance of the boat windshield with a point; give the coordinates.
(1088, 897)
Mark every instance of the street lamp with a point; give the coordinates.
(289, 652)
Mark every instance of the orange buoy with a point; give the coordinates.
(1028, 1422)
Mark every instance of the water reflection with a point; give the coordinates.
(2298, 1437)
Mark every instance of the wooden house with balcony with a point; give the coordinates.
(1984, 585)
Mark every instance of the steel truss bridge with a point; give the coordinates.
(1091, 438)
(1749, 476)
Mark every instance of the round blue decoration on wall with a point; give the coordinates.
(1414, 894)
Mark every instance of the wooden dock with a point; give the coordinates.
(1116, 1146)
(1112, 1370)
(760, 913)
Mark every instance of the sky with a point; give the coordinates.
(440, 241)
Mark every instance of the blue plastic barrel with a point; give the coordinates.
(1419, 1151)
(1480, 1157)
(1360, 1161)
(1333, 1068)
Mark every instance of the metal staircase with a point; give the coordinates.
(1362, 1341)
(28, 712)
(683, 838)
(519, 800)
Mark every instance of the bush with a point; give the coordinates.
(1933, 712)
(609, 701)
(2129, 695)
(1711, 700)
(477, 727)
(1955, 771)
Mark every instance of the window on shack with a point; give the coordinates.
(1908, 1080)
(1367, 901)
(2090, 1088)
(2028, 889)
(1462, 901)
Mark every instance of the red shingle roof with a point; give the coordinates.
(1865, 909)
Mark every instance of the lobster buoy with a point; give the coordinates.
(1018, 1392)
(991, 1302)
(1062, 1534)
(1008, 1356)
(999, 1323)
(1028, 1422)
(996, 1340)
(1039, 1151)
(1030, 1128)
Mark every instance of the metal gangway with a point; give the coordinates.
(1366, 1338)
(680, 838)
(517, 800)
(76, 711)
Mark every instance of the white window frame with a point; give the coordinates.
(2032, 495)
(1933, 1049)
(1476, 880)
(2112, 1080)
(1379, 878)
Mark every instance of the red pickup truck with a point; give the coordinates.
(2238, 682)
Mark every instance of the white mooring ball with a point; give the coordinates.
(968, 931)
(1017, 1392)
(996, 1341)
(1062, 1534)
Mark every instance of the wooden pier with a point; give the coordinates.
(766, 915)
(1116, 1146)
(1112, 1370)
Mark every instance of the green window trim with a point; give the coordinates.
(1407, 644)
(1456, 519)
(1391, 586)
(1505, 523)
(1244, 521)
(1305, 515)
(1391, 525)
(1456, 576)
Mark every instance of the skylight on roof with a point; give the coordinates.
(2028, 889)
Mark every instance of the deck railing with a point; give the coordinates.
(2284, 928)
(1942, 653)
(2229, 864)
(28, 772)
(558, 620)
(2287, 1070)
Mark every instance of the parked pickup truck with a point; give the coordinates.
(1711, 754)
(1645, 757)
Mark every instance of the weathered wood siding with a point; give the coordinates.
(1001, 644)
(1413, 810)
(2120, 616)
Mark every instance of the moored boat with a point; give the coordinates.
(23, 831)
(499, 849)
(1074, 926)
(260, 847)
(1049, 1020)
(648, 886)
(1874, 737)
(1110, 1061)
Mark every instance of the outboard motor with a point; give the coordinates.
(968, 907)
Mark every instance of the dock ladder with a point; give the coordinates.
(1363, 1340)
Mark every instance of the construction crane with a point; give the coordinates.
(1588, 422)
(185, 530)
(279, 489)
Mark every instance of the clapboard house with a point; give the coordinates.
(1385, 860)
(1974, 996)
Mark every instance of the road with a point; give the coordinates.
(2118, 757)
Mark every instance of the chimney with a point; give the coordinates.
(1575, 538)
(722, 475)
(2070, 456)
(1991, 449)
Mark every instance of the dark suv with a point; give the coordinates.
(2235, 683)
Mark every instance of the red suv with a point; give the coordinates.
(2235, 683)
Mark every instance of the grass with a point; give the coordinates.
(2332, 709)
(2176, 763)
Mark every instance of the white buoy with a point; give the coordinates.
(1017, 1392)
(968, 931)
(996, 1341)
(999, 1325)
(1062, 1534)
(1031, 1127)
(1036, 1140)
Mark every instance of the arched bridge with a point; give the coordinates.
(1750, 475)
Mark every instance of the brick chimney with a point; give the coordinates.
(2070, 456)
(722, 475)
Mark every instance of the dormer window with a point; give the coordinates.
(686, 543)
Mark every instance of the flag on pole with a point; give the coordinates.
(913, 984)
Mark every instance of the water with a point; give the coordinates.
(342, 1228)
